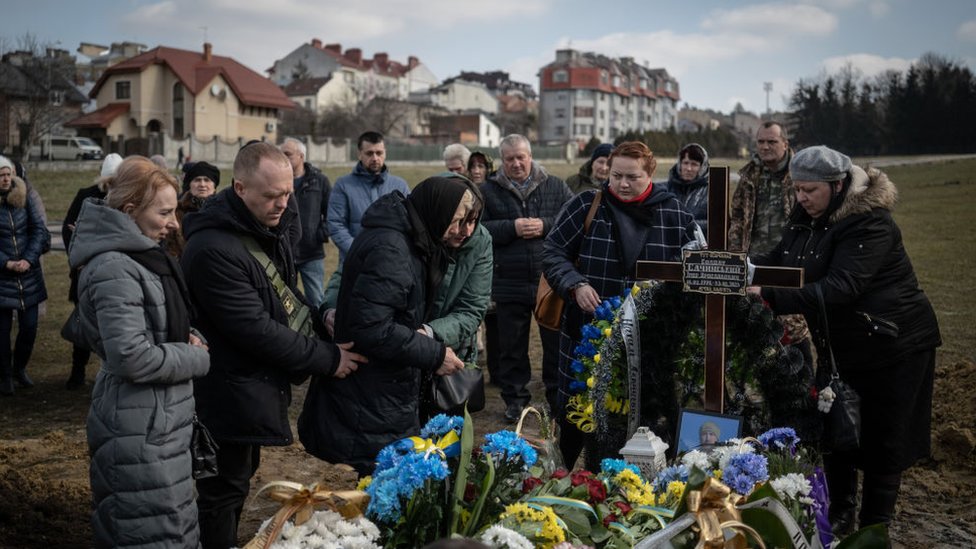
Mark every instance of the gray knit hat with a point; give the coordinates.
(819, 163)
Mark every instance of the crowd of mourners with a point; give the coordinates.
(206, 307)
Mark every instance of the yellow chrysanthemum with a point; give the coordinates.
(676, 489)
(596, 358)
(550, 528)
(364, 483)
(635, 489)
(591, 381)
(717, 473)
(607, 332)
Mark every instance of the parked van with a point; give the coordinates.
(60, 147)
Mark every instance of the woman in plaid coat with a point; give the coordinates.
(634, 221)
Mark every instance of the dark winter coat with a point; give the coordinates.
(312, 192)
(583, 180)
(854, 253)
(139, 423)
(23, 235)
(381, 304)
(67, 230)
(254, 354)
(600, 257)
(693, 194)
(518, 261)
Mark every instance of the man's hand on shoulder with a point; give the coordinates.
(348, 360)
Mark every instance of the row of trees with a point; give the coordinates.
(721, 142)
(930, 108)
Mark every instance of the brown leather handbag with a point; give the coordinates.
(549, 305)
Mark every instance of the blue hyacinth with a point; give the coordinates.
(613, 467)
(440, 424)
(507, 446)
(744, 471)
(576, 387)
(585, 349)
(590, 331)
(577, 367)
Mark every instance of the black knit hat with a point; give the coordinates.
(198, 169)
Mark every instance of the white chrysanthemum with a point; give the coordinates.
(697, 458)
(791, 486)
(500, 537)
(734, 446)
(328, 530)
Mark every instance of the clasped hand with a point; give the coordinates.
(529, 227)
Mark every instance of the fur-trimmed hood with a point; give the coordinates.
(868, 190)
(17, 196)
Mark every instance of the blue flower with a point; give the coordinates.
(604, 311)
(591, 332)
(669, 475)
(613, 467)
(585, 349)
(615, 302)
(744, 471)
(507, 446)
(392, 454)
(577, 387)
(440, 424)
(392, 487)
(780, 438)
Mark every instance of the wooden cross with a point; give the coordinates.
(783, 277)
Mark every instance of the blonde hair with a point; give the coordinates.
(136, 182)
(249, 159)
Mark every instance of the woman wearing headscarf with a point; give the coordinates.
(480, 166)
(23, 238)
(882, 329)
(135, 314)
(635, 220)
(81, 355)
(390, 282)
(688, 180)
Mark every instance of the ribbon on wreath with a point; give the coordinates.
(300, 501)
(447, 446)
(714, 507)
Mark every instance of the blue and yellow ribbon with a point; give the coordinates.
(447, 446)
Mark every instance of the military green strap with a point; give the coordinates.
(299, 316)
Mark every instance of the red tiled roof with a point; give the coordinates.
(100, 118)
(196, 74)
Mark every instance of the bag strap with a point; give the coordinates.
(299, 316)
(592, 213)
(825, 332)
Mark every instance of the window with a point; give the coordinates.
(560, 130)
(601, 132)
(616, 81)
(560, 76)
(560, 113)
(583, 112)
(643, 82)
(604, 78)
(123, 89)
(561, 97)
(57, 97)
(308, 104)
(603, 115)
(178, 111)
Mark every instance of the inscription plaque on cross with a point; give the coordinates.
(717, 273)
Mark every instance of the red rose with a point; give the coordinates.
(530, 483)
(469, 492)
(612, 517)
(581, 476)
(560, 473)
(597, 490)
(624, 507)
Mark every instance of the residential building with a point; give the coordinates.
(459, 96)
(498, 83)
(178, 93)
(367, 78)
(320, 94)
(473, 130)
(585, 94)
(37, 95)
(102, 57)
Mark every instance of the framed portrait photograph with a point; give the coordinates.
(700, 430)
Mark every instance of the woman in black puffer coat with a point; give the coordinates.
(23, 238)
(883, 331)
(688, 181)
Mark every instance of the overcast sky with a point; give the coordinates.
(721, 51)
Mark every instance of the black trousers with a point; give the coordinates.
(220, 499)
(513, 322)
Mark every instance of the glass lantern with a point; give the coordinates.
(646, 451)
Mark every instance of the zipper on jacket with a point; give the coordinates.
(13, 236)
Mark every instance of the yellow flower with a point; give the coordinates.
(590, 381)
(364, 483)
(607, 332)
(596, 358)
(636, 490)
(676, 489)
(717, 473)
(635, 290)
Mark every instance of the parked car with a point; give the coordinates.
(59, 147)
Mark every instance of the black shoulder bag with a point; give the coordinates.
(203, 451)
(842, 424)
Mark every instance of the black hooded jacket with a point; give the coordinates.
(253, 353)
(382, 301)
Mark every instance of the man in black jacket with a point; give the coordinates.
(521, 203)
(254, 354)
(312, 189)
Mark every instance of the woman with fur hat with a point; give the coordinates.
(882, 329)
(80, 355)
(200, 181)
(594, 172)
(23, 238)
(688, 180)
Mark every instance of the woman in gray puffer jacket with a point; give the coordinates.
(135, 315)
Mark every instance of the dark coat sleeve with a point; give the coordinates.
(382, 288)
(563, 243)
(67, 230)
(225, 290)
(38, 237)
(323, 229)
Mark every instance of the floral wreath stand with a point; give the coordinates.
(646, 353)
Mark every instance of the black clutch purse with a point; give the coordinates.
(450, 393)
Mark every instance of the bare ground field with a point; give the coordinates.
(44, 490)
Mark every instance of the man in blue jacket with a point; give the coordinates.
(352, 194)
(312, 194)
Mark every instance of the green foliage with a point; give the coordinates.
(666, 144)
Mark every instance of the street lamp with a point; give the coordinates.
(767, 87)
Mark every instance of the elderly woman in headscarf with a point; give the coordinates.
(879, 324)
(688, 181)
(389, 288)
